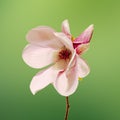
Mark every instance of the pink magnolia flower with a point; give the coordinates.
(63, 55)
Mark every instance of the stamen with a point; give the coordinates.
(80, 79)
(64, 54)
(72, 38)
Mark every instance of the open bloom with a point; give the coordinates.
(62, 52)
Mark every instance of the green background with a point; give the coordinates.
(98, 95)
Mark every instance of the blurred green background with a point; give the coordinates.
(98, 95)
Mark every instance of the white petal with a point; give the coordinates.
(67, 81)
(66, 28)
(38, 57)
(65, 40)
(83, 68)
(42, 79)
(44, 37)
(72, 61)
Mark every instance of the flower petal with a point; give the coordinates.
(42, 79)
(66, 28)
(85, 36)
(82, 67)
(38, 57)
(72, 61)
(82, 48)
(65, 40)
(44, 37)
(67, 81)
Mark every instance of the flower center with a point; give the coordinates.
(62, 58)
(64, 54)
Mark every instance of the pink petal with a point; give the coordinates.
(85, 36)
(65, 40)
(44, 37)
(66, 28)
(83, 68)
(67, 81)
(38, 57)
(42, 79)
(72, 61)
(82, 48)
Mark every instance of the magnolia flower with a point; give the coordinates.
(62, 53)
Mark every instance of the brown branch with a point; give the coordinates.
(67, 108)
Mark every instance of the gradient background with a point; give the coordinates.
(98, 95)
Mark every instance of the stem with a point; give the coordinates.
(67, 108)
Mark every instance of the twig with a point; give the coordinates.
(67, 108)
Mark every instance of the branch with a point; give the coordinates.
(67, 108)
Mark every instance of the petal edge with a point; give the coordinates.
(85, 37)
